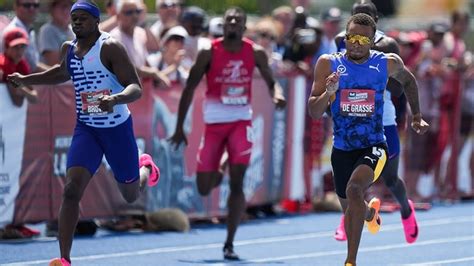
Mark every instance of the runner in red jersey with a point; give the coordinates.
(229, 65)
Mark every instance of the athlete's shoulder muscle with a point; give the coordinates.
(387, 45)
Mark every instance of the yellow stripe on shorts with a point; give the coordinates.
(380, 164)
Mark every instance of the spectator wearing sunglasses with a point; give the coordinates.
(266, 34)
(168, 14)
(134, 38)
(25, 15)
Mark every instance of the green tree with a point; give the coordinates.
(260, 7)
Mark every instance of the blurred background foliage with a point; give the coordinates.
(257, 7)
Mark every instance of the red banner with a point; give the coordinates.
(48, 134)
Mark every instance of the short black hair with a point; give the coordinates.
(366, 7)
(362, 19)
(237, 10)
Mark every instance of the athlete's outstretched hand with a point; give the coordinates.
(332, 83)
(107, 103)
(16, 79)
(177, 138)
(279, 101)
(419, 125)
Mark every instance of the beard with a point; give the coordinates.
(352, 57)
(232, 36)
(357, 56)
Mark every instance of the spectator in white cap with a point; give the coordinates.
(170, 59)
(216, 27)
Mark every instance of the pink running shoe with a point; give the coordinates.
(340, 234)
(59, 262)
(146, 160)
(410, 226)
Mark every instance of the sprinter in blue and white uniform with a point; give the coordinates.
(352, 84)
(105, 81)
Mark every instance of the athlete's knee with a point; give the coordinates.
(72, 192)
(204, 189)
(236, 188)
(354, 191)
(236, 184)
(203, 182)
(237, 171)
(390, 180)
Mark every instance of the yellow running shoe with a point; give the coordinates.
(374, 224)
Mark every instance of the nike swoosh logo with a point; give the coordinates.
(415, 234)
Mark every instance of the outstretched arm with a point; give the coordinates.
(56, 74)
(398, 71)
(196, 73)
(325, 85)
(276, 92)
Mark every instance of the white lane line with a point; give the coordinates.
(366, 249)
(439, 262)
(390, 227)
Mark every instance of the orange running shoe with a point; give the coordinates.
(374, 224)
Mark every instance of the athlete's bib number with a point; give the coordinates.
(90, 102)
(235, 95)
(357, 102)
(377, 151)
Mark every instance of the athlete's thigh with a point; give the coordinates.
(121, 151)
(343, 164)
(390, 171)
(239, 145)
(375, 157)
(85, 150)
(212, 147)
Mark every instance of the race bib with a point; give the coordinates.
(90, 102)
(357, 102)
(235, 95)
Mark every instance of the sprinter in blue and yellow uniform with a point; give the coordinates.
(352, 84)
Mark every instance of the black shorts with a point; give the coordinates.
(345, 162)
